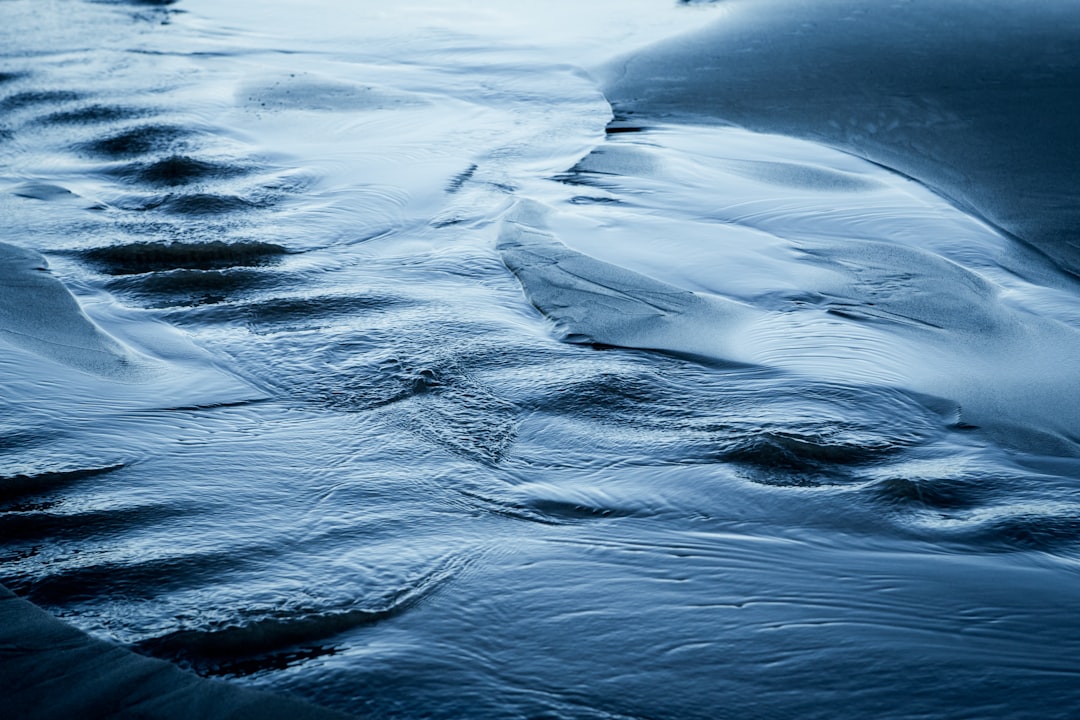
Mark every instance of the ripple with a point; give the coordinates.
(14, 488)
(274, 315)
(139, 141)
(203, 204)
(193, 287)
(430, 506)
(84, 579)
(270, 642)
(43, 524)
(942, 493)
(31, 98)
(92, 114)
(178, 170)
(1016, 526)
(144, 257)
(147, 3)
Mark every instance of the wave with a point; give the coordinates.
(277, 642)
(15, 488)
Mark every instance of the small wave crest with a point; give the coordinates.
(15, 489)
(144, 257)
(274, 641)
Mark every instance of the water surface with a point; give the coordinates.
(381, 363)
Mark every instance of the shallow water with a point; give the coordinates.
(408, 385)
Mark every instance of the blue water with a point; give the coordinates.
(381, 362)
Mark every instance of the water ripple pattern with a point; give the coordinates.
(361, 353)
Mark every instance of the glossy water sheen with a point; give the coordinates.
(808, 449)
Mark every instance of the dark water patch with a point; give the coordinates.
(423, 377)
(862, 313)
(288, 314)
(18, 554)
(192, 287)
(145, 579)
(274, 313)
(572, 511)
(138, 141)
(15, 437)
(164, 229)
(6, 134)
(460, 179)
(136, 3)
(823, 451)
(595, 200)
(506, 508)
(42, 524)
(546, 510)
(392, 380)
(772, 427)
(1034, 530)
(203, 204)
(6, 77)
(262, 644)
(14, 489)
(145, 257)
(801, 475)
(187, 205)
(582, 178)
(941, 493)
(357, 393)
(31, 505)
(267, 662)
(602, 396)
(810, 447)
(268, 642)
(91, 115)
(30, 98)
(178, 170)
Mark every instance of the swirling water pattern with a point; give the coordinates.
(336, 451)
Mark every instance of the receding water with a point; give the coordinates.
(407, 382)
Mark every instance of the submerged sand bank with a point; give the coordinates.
(978, 100)
(52, 670)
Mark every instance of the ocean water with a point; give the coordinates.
(381, 361)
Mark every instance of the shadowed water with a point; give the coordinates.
(358, 353)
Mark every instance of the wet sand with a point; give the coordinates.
(978, 100)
